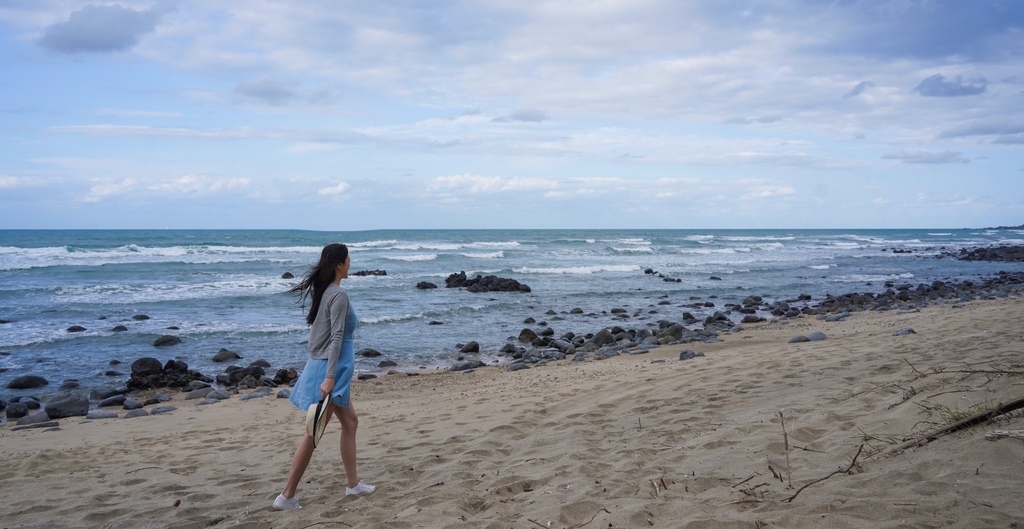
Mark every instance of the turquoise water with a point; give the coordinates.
(224, 288)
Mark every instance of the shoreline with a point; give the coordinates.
(632, 440)
(542, 345)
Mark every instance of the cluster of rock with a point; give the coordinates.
(29, 412)
(1005, 253)
(484, 283)
(531, 348)
(365, 273)
(665, 278)
(147, 373)
(150, 373)
(537, 348)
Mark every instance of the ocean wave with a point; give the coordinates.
(411, 258)
(14, 258)
(371, 244)
(491, 255)
(873, 278)
(149, 293)
(820, 267)
(707, 251)
(578, 270)
(635, 249)
(433, 314)
(739, 238)
(639, 241)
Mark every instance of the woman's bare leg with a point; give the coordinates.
(299, 463)
(349, 423)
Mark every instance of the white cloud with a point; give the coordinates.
(198, 185)
(8, 181)
(927, 157)
(104, 190)
(759, 189)
(338, 189)
(477, 184)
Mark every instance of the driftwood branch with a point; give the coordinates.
(785, 443)
(999, 434)
(977, 418)
(594, 517)
(846, 470)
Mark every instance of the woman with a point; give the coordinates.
(328, 371)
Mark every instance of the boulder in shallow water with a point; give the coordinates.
(27, 382)
(224, 355)
(166, 341)
(146, 366)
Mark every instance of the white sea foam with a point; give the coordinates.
(12, 258)
(820, 267)
(760, 238)
(418, 258)
(866, 278)
(580, 270)
(633, 249)
(491, 255)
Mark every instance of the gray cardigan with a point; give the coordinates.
(328, 328)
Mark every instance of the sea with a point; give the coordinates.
(227, 289)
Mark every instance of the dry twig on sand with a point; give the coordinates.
(785, 441)
(846, 470)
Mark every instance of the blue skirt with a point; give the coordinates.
(307, 387)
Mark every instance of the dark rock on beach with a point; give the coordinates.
(140, 317)
(249, 377)
(425, 285)
(27, 382)
(166, 341)
(1005, 253)
(687, 354)
(105, 392)
(76, 328)
(149, 373)
(225, 355)
(68, 405)
(34, 418)
(16, 410)
(468, 364)
(146, 366)
(485, 283)
(364, 273)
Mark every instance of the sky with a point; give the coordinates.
(354, 115)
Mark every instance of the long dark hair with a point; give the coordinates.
(315, 282)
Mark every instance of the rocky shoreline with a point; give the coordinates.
(152, 383)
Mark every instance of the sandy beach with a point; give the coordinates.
(723, 440)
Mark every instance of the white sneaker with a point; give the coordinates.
(359, 490)
(286, 504)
